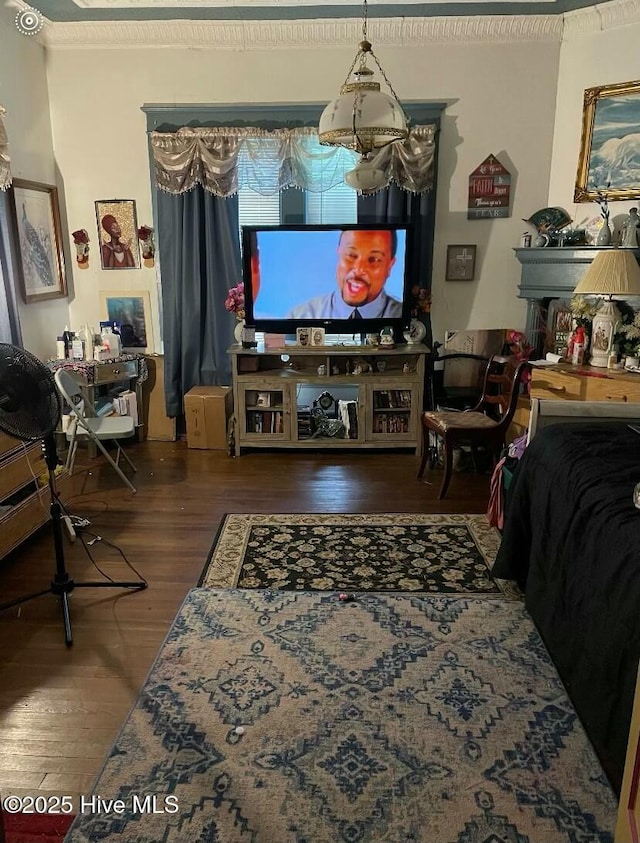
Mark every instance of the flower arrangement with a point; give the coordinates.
(234, 301)
(81, 241)
(145, 236)
(601, 199)
(583, 310)
(520, 348)
(420, 301)
(627, 335)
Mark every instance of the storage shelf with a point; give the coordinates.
(257, 371)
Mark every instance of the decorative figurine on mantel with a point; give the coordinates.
(630, 230)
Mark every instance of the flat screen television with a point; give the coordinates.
(318, 275)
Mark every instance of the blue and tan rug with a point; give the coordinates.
(436, 554)
(294, 717)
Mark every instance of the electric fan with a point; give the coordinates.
(30, 409)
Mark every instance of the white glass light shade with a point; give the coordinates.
(366, 178)
(362, 118)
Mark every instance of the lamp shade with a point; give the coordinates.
(611, 273)
(366, 178)
(362, 118)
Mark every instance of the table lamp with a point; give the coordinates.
(612, 273)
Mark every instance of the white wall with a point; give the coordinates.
(599, 58)
(497, 105)
(24, 93)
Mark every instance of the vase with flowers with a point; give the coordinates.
(521, 350)
(234, 303)
(420, 307)
(604, 235)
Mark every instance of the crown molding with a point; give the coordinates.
(263, 35)
(331, 33)
(600, 17)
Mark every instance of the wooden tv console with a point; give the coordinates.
(275, 391)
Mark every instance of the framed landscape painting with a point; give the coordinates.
(610, 147)
(36, 216)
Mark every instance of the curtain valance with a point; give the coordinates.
(5, 170)
(225, 159)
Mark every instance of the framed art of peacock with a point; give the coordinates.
(36, 217)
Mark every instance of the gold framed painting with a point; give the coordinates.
(36, 219)
(118, 233)
(608, 161)
(131, 310)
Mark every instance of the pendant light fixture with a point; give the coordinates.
(363, 118)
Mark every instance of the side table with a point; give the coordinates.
(94, 374)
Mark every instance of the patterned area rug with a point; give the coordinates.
(292, 717)
(439, 554)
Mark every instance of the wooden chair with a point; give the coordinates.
(485, 425)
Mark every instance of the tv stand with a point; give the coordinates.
(377, 394)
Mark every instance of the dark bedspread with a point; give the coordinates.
(572, 540)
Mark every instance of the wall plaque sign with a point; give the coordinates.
(489, 190)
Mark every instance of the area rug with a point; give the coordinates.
(294, 717)
(35, 828)
(438, 554)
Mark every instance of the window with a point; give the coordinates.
(339, 204)
(336, 205)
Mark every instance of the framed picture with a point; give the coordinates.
(36, 217)
(118, 234)
(317, 336)
(559, 326)
(461, 263)
(608, 148)
(303, 337)
(132, 311)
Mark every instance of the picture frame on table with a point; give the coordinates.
(131, 310)
(610, 120)
(118, 234)
(36, 219)
(461, 263)
(303, 337)
(317, 337)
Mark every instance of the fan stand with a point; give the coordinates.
(62, 584)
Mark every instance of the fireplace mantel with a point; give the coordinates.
(553, 272)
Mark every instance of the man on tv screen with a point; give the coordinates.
(365, 259)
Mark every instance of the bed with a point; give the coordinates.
(571, 539)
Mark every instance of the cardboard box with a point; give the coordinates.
(157, 425)
(207, 410)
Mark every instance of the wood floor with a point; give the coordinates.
(61, 708)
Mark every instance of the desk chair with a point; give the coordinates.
(85, 424)
(486, 424)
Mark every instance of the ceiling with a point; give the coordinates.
(289, 10)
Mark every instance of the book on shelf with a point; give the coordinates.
(348, 412)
